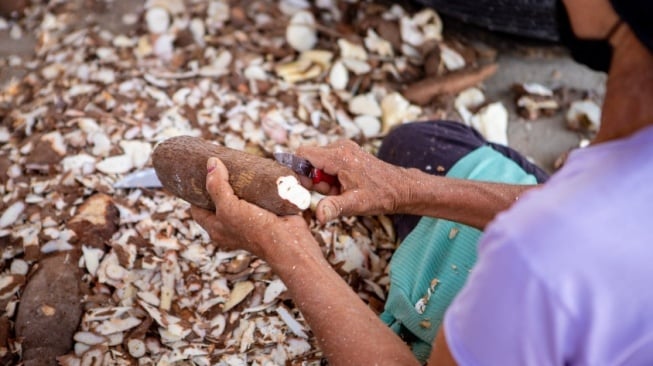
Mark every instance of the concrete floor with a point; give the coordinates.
(542, 140)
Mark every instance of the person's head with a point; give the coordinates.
(587, 27)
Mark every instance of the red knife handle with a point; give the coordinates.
(318, 176)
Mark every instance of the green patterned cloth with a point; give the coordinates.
(431, 265)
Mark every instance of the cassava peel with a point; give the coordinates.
(180, 164)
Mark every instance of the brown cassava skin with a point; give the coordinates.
(180, 164)
(50, 309)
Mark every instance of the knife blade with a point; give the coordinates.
(145, 178)
(303, 167)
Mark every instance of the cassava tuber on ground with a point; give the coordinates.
(180, 164)
(425, 90)
(50, 309)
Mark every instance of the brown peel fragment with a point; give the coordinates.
(96, 221)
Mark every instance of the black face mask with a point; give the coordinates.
(594, 53)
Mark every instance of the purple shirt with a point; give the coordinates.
(565, 277)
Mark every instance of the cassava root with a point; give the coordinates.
(180, 164)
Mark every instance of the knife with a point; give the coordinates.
(145, 178)
(303, 167)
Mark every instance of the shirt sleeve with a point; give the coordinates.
(505, 314)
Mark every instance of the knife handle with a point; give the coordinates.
(318, 175)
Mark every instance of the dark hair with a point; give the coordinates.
(637, 13)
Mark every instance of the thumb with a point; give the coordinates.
(332, 207)
(217, 181)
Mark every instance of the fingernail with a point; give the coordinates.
(328, 212)
(211, 164)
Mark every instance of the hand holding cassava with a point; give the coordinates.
(238, 224)
(368, 185)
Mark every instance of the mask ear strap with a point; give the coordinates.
(614, 29)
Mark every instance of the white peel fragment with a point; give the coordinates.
(138, 151)
(219, 66)
(466, 100)
(89, 338)
(291, 322)
(12, 213)
(217, 14)
(369, 125)
(116, 325)
(19, 267)
(274, 289)
(430, 24)
(119, 164)
(218, 324)
(290, 7)
(163, 46)
(358, 67)
(537, 89)
(238, 294)
(377, 44)
(82, 163)
(365, 104)
(301, 34)
(349, 50)
(492, 122)
(92, 258)
(451, 58)
(101, 143)
(320, 57)
(397, 110)
(410, 32)
(157, 19)
(423, 26)
(198, 30)
(297, 347)
(348, 251)
(338, 76)
(291, 190)
(347, 124)
(301, 70)
(4, 134)
(584, 115)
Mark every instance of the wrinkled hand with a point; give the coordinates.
(368, 185)
(237, 224)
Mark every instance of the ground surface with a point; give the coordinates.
(520, 61)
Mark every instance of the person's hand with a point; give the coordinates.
(237, 224)
(368, 185)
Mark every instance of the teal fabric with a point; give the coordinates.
(433, 262)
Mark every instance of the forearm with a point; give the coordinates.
(348, 332)
(469, 202)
